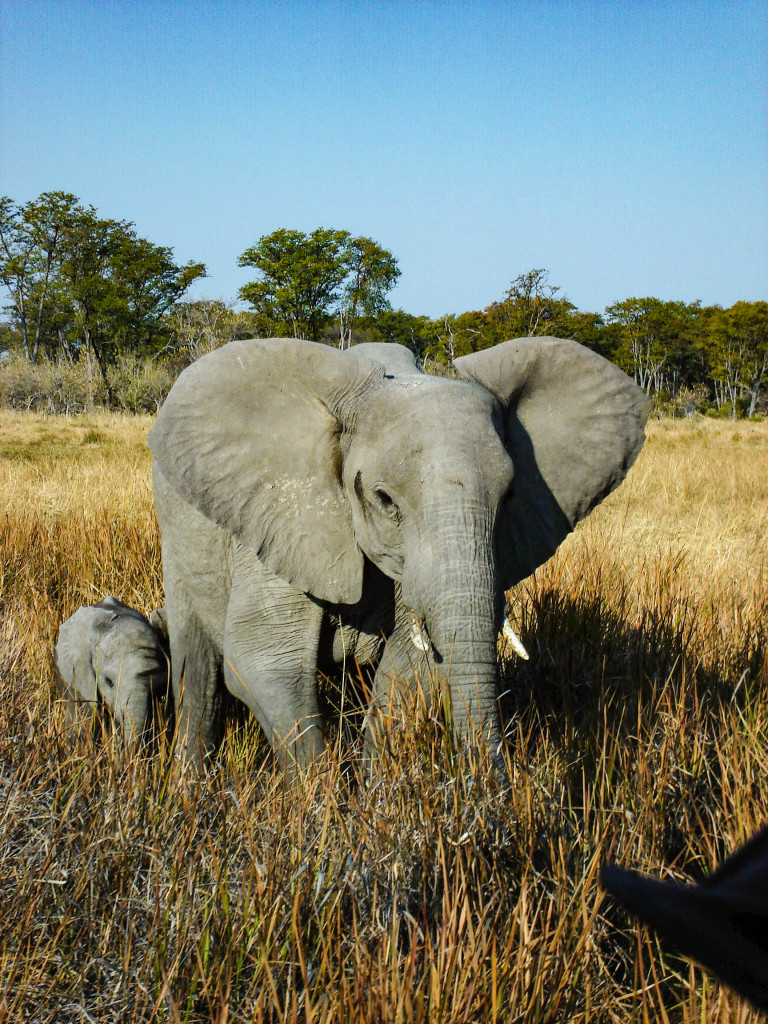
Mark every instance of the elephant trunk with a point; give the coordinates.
(456, 593)
(133, 713)
(463, 635)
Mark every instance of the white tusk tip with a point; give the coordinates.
(418, 636)
(514, 640)
(418, 641)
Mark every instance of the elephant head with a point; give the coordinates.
(108, 655)
(318, 460)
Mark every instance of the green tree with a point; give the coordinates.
(530, 307)
(203, 325)
(147, 283)
(454, 336)
(9, 340)
(657, 341)
(736, 341)
(307, 280)
(31, 244)
(590, 329)
(84, 284)
(119, 287)
(372, 272)
(417, 333)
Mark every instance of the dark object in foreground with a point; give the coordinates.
(722, 922)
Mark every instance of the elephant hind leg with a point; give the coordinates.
(197, 686)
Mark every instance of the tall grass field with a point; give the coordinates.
(133, 891)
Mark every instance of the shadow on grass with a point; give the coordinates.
(653, 722)
(597, 678)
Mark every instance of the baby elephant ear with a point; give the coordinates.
(250, 436)
(574, 426)
(73, 656)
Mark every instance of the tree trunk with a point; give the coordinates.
(89, 364)
(65, 346)
(345, 328)
(104, 371)
(756, 383)
(24, 331)
(43, 297)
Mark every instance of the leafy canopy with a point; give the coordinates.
(80, 282)
(305, 280)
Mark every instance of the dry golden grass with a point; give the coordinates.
(53, 467)
(637, 731)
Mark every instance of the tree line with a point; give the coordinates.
(683, 355)
(83, 288)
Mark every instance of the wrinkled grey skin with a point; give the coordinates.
(319, 506)
(109, 656)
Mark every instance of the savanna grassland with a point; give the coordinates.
(131, 891)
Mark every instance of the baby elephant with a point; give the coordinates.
(110, 656)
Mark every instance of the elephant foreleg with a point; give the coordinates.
(405, 672)
(270, 660)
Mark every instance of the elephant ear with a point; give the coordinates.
(574, 426)
(73, 656)
(250, 436)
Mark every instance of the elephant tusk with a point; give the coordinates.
(512, 638)
(419, 638)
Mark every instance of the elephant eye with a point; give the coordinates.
(109, 682)
(386, 503)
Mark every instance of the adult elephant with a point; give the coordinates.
(319, 505)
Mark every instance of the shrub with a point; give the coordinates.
(140, 386)
(690, 400)
(63, 388)
(683, 405)
(55, 388)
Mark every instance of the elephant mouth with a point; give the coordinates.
(419, 636)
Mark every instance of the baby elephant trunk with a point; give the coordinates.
(133, 706)
(133, 711)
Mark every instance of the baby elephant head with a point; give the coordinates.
(108, 655)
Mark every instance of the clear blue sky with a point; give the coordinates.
(620, 144)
